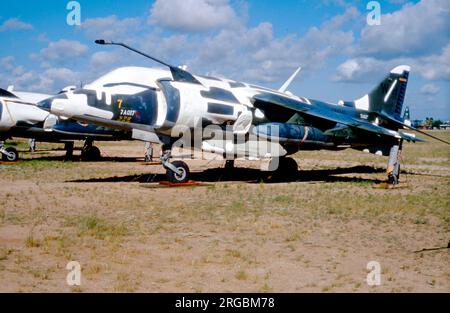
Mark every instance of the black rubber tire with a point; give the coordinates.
(288, 169)
(288, 166)
(229, 165)
(12, 158)
(175, 178)
(393, 179)
(91, 154)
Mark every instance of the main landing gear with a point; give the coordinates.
(90, 152)
(9, 154)
(283, 168)
(177, 171)
(393, 169)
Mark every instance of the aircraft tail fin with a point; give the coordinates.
(388, 96)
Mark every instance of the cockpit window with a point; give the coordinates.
(139, 108)
(172, 96)
(46, 104)
(127, 84)
(219, 94)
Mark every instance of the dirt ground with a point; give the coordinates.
(240, 232)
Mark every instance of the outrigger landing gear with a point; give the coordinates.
(9, 154)
(393, 169)
(90, 152)
(177, 171)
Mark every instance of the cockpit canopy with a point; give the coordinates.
(123, 77)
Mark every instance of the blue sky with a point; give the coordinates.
(259, 42)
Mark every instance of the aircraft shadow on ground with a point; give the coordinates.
(253, 176)
(77, 158)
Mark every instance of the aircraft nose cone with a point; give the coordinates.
(49, 103)
(45, 104)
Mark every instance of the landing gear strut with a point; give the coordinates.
(90, 152)
(68, 146)
(177, 171)
(148, 152)
(393, 169)
(32, 145)
(8, 154)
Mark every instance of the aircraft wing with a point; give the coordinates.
(402, 124)
(264, 99)
(126, 126)
(138, 131)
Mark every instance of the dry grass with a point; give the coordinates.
(315, 234)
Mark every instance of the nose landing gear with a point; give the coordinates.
(9, 154)
(177, 171)
(181, 175)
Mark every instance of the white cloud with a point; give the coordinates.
(102, 59)
(429, 89)
(7, 63)
(398, 1)
(416, 35)
(363, 69)
(257, 55)
(368, 69)
(109, 27)
(14, 24)
(50, 80)
(61, 51)
(192, 15)
(435, 66)
(416, 29)
(253, 54)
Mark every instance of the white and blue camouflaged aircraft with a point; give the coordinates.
(153, 104)
(20, 117)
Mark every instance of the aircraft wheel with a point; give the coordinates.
(288, 165)
(91, 153)
(178, 178)
(13, 155)
(288, 168)
(393, 179)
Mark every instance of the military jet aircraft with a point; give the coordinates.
(159, 105)
(20, 117)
